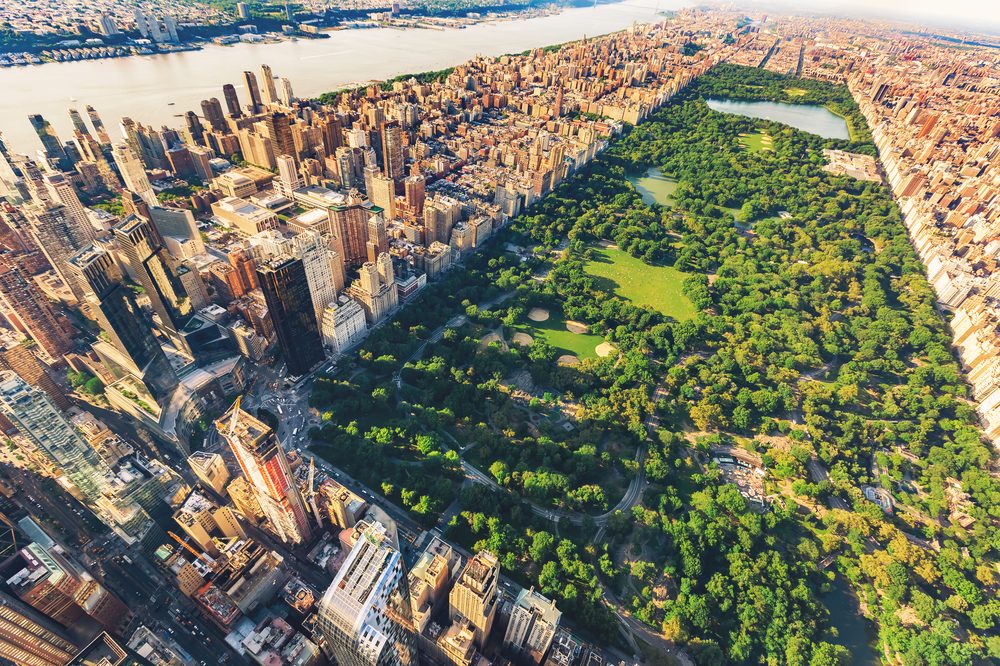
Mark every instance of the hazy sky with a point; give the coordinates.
(981, 15)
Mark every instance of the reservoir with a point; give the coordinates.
(806, 117)
(143, 87)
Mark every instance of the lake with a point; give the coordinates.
(806, 117)
(855, 633)
(654, 186)
(142, 87)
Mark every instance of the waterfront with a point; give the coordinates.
(143, 88)
(806, 117)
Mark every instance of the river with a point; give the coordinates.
(142, 87)
(806, 117)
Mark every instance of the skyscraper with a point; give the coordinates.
(63, 192)
(20, 359)
(121, 320)
(26, 637)
(232, 101)
(95, 120)
(265, 465)
(324, 272)
(211, 109)
(133, 173)
(77, 120)
(364, 614)
(51, 144)
(286, 291)
(532, 625)
(40, 422)
(288, 177)
(414, 187)
(268, 91)
(392, 151)
(250, 82)
(33, 314)
(144, 250)
(58, 237)
(55, 585)
(474, 596)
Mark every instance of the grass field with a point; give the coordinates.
(795, 92)
(553, 331)
(757, 142)
(658, 287)
(654, 187)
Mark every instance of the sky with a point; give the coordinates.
(976, 15)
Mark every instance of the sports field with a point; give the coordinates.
(757, 142)
(554, 331)
(659, 287)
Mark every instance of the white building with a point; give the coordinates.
(133, 173)
(363, 613)
(533, 623)
(344, 325)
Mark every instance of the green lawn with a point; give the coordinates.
(553, 331)
(795, 92)
(757, 142)
(658, 287)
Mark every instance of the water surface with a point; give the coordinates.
(806, 117)
(142, 87)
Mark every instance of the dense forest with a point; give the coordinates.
(816, 344)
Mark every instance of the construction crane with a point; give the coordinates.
(201, 556)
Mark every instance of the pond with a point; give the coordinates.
(854, 632)
(654, 186)
(806, 117)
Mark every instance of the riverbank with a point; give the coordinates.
(142, 87)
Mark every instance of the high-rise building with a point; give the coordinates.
(250, 82)
(145, 253)
(279, 132)
(533, 623)
(474, 596)
(52, 434)
(285, 94)
(62, 192)
(269, 94)
(134, 349)
(414, 187)
(95, 120)
(265, 465)
(392, 151)
(210, 468)
(133, 173)
(78, 124)
(211, 109)
(30, 312)
(52, 146)
(289, 303)
(324, 274)
(57, 235)
(30, 639)
(232, 101)
(56, 586)
(288, 176)
(106, 25)
(20, 359)
(364, 615)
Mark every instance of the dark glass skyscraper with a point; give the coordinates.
(144, 250)
(50, 142)
(286, 291)
(122, 322)
(232, 101)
